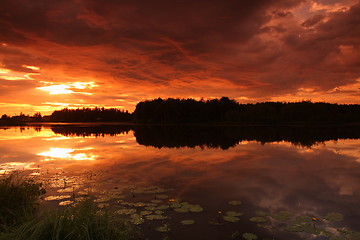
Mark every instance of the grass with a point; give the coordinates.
(21, 220)
(18, 199)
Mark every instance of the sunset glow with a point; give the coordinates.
(65, 153)
(117, 53)
(66, 88)
(56, 89)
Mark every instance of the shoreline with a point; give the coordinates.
(220, 124)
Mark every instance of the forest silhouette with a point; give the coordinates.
(228, 110)
(91, 115)
(214, 111)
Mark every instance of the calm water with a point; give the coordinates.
(282, 176)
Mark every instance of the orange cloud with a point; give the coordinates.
(254, 51)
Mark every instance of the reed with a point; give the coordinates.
(21, 219)
(18, 199)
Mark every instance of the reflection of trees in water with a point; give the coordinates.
(85, 131)
(226, 137)
(223, 137)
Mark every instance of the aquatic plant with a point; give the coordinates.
(163, 228)
(18, 199)
(77, 222)
(250, 236)
(187, 222)
(334, 217)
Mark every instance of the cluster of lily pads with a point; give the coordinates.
(142, 204)
(156, 208)
(320, 226)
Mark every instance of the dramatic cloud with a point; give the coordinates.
(132, 50)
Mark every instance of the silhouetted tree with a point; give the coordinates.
(37, 116)
(5, 117)
(227, 110)
(91, 115)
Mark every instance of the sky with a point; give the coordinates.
(115, 53)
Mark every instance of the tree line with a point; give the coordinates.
(91, 115)
(228, 110)
(223, 110)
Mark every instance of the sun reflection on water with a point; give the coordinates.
(67, 153)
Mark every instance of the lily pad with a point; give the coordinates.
(143, 213)
(163, 228)
(265, 226)
(139, 204)
(181, 210)
(334, 217)
(155, 217)
(250, 236)
(231, 218)
(175, 205)
(295, 228)
(283, 216)
(150, 208)
(350, 235)
(261, 213)
(234, 202)
(60, 197)
(159, 212)
(258, 219)
(303, 219)
(187, 222)
(162, 207)
(233, 214)
(137, 219)
(102, 199)
(126, 211)
(64, 203)
(151, 204)
(310, 228)
(156, 201)
(196, 208)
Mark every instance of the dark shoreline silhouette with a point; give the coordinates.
(223, 137)
(215, 111)
(227, 110)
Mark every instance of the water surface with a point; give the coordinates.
(282, 174)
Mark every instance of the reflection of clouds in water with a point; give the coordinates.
(57, 138)
(14, 166)
(348, 147)
(267, 176)
(273, 176)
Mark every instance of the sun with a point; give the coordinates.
(69, 88)
(57, 89)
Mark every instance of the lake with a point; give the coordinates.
(200, 182)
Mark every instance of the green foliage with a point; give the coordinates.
(18, 199)
(79, 222)
(20, 221)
